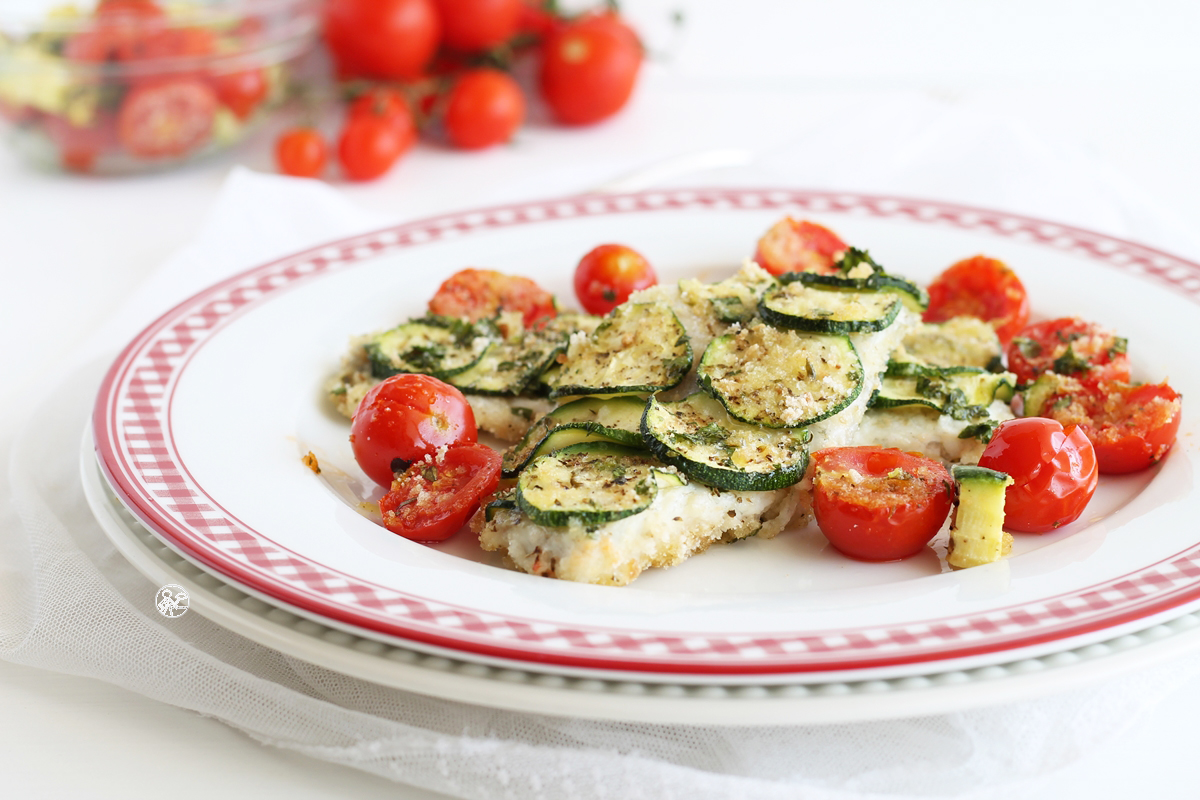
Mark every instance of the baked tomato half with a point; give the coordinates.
(1053, 468)
(877, 503)
(792, 245)
(435, 497)
(405, 418)
(1131, 427)
(1068, 346)
(980, 287)
(608, 274)
(482, 293)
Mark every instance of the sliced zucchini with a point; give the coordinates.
(588, 484)
(510, 366)
(857, 271)
(1035, 395)
(977, 534)
(699, 437)
(640, 347)
(801, 307)
(615, 419)
(503, 500)
(780, 378)
(957, 342)
(438, 346)
(964, 393)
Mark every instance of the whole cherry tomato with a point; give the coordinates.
(474, 25)
(373, 140)
(242, 92)
(608, 274)
(1053, 468)
(792, 245)
(484, 107)
(589, 68)
(386, 39)
(301, 152)
(167, 118)
(1068, 346)
(482, 293)
(879, 504)
(381, 101)
(434, 498)
(405, 418)
(980, 287)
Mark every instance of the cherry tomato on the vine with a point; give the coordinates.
(589, 68)
(433, 498)
(167, 118)
(301, 152)
(608, 274)
(1068, 346)
(980, 287)
(386, 39)
(474, 25)
(484, 107)
(877, 503)
(1053, 468)
(792, 245)
(381, 101)
(371, 143)
(482, 293)
(405, 418)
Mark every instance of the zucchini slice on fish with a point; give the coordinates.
(699, 437)
(510, 366)
(780, 378)
(799, 306)
(590, 484)
(614, 419)
(959, 392)
(639, 348)
(438, 346)
(857, 271)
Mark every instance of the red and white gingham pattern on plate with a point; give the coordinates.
(132, 428)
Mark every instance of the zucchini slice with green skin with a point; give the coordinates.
(503, 500)
(511, 365)
(964, 393)
(616, 419)
(960, 341)
(779, 378)
(438, 346)
(977, 535)
(638, 348)
(857, 271)
(699, 437)
(590, 484)
(798, 306)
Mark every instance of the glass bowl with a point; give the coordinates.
(124, 86)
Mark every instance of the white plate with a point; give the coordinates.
(628, 701)
(202, 421)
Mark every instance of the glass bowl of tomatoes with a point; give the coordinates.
(119, 86)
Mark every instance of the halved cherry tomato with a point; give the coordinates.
(589, 68)
(980, 287)
(485, 107)
(242, 92)
(1053, 469)
(482, 293)
(387, 39)
(1131, 427)
(167, 117)
(301, 152)
(608, 274)
(792, 245)
(879, 504)
(474, 25)
(434, 498)
(405, 418)
(1068, 346)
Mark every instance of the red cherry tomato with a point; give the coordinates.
(1131, 427)
(980, 287)
(301, 152)
(608, 274)
(1068, 346)
(405, 418)
(386, 39)
(473, 25)
(485, 107)
(433, 499)
(799, 246)
(482, 293)
(167, 118)
(589, 68)
(120, 31)
(1053, 469)
(380, 101)
(242, 92)
(371, 143)
(879, 504)
(79, 147)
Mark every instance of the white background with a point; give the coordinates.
(1116, 83)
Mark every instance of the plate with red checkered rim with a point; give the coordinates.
(202, 422)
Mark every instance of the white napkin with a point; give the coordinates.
(69, 602)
